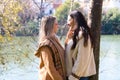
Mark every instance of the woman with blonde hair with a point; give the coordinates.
(50, 52)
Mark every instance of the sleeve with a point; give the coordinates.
(49, 65)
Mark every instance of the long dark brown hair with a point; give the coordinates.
(81, 25)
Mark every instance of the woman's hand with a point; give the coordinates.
(69, 35)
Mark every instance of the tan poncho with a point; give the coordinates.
(51, 55)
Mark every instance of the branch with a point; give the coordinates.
(37, 4)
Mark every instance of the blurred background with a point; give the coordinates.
(19, 29)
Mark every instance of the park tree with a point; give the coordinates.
(9, 18)
(28, 19)
(30, 11)
(18, 17)
(11, 48)
(63, 10)
(41, 5)
(94, 21)
(111, 21)
(33, 11)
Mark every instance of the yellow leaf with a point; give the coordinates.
(1, 38)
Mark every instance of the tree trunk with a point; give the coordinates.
(94, 21)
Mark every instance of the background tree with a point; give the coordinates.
(111, 22)
(41, 5)
(94, 21)
(62, 12)
(9, 18)
(14, 48)
(28, 19)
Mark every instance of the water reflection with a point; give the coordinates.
(17, 67)
(109, 63)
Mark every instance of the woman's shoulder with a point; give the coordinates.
(80, 34)
(44, 42)
(42, 45)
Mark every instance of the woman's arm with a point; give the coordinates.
(49, 65)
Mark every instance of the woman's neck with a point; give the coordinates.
(72, 28)
(53, 34)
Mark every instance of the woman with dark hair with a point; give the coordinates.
(50, 52)
(79, 56)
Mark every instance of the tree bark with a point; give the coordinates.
(94, 21)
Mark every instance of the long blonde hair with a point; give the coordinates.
(46, 27)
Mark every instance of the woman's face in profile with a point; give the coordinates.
(70, 21)
(55, 26)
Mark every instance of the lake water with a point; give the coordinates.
(110, 58)
(17, 61)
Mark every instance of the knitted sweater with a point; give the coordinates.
(79, 61)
